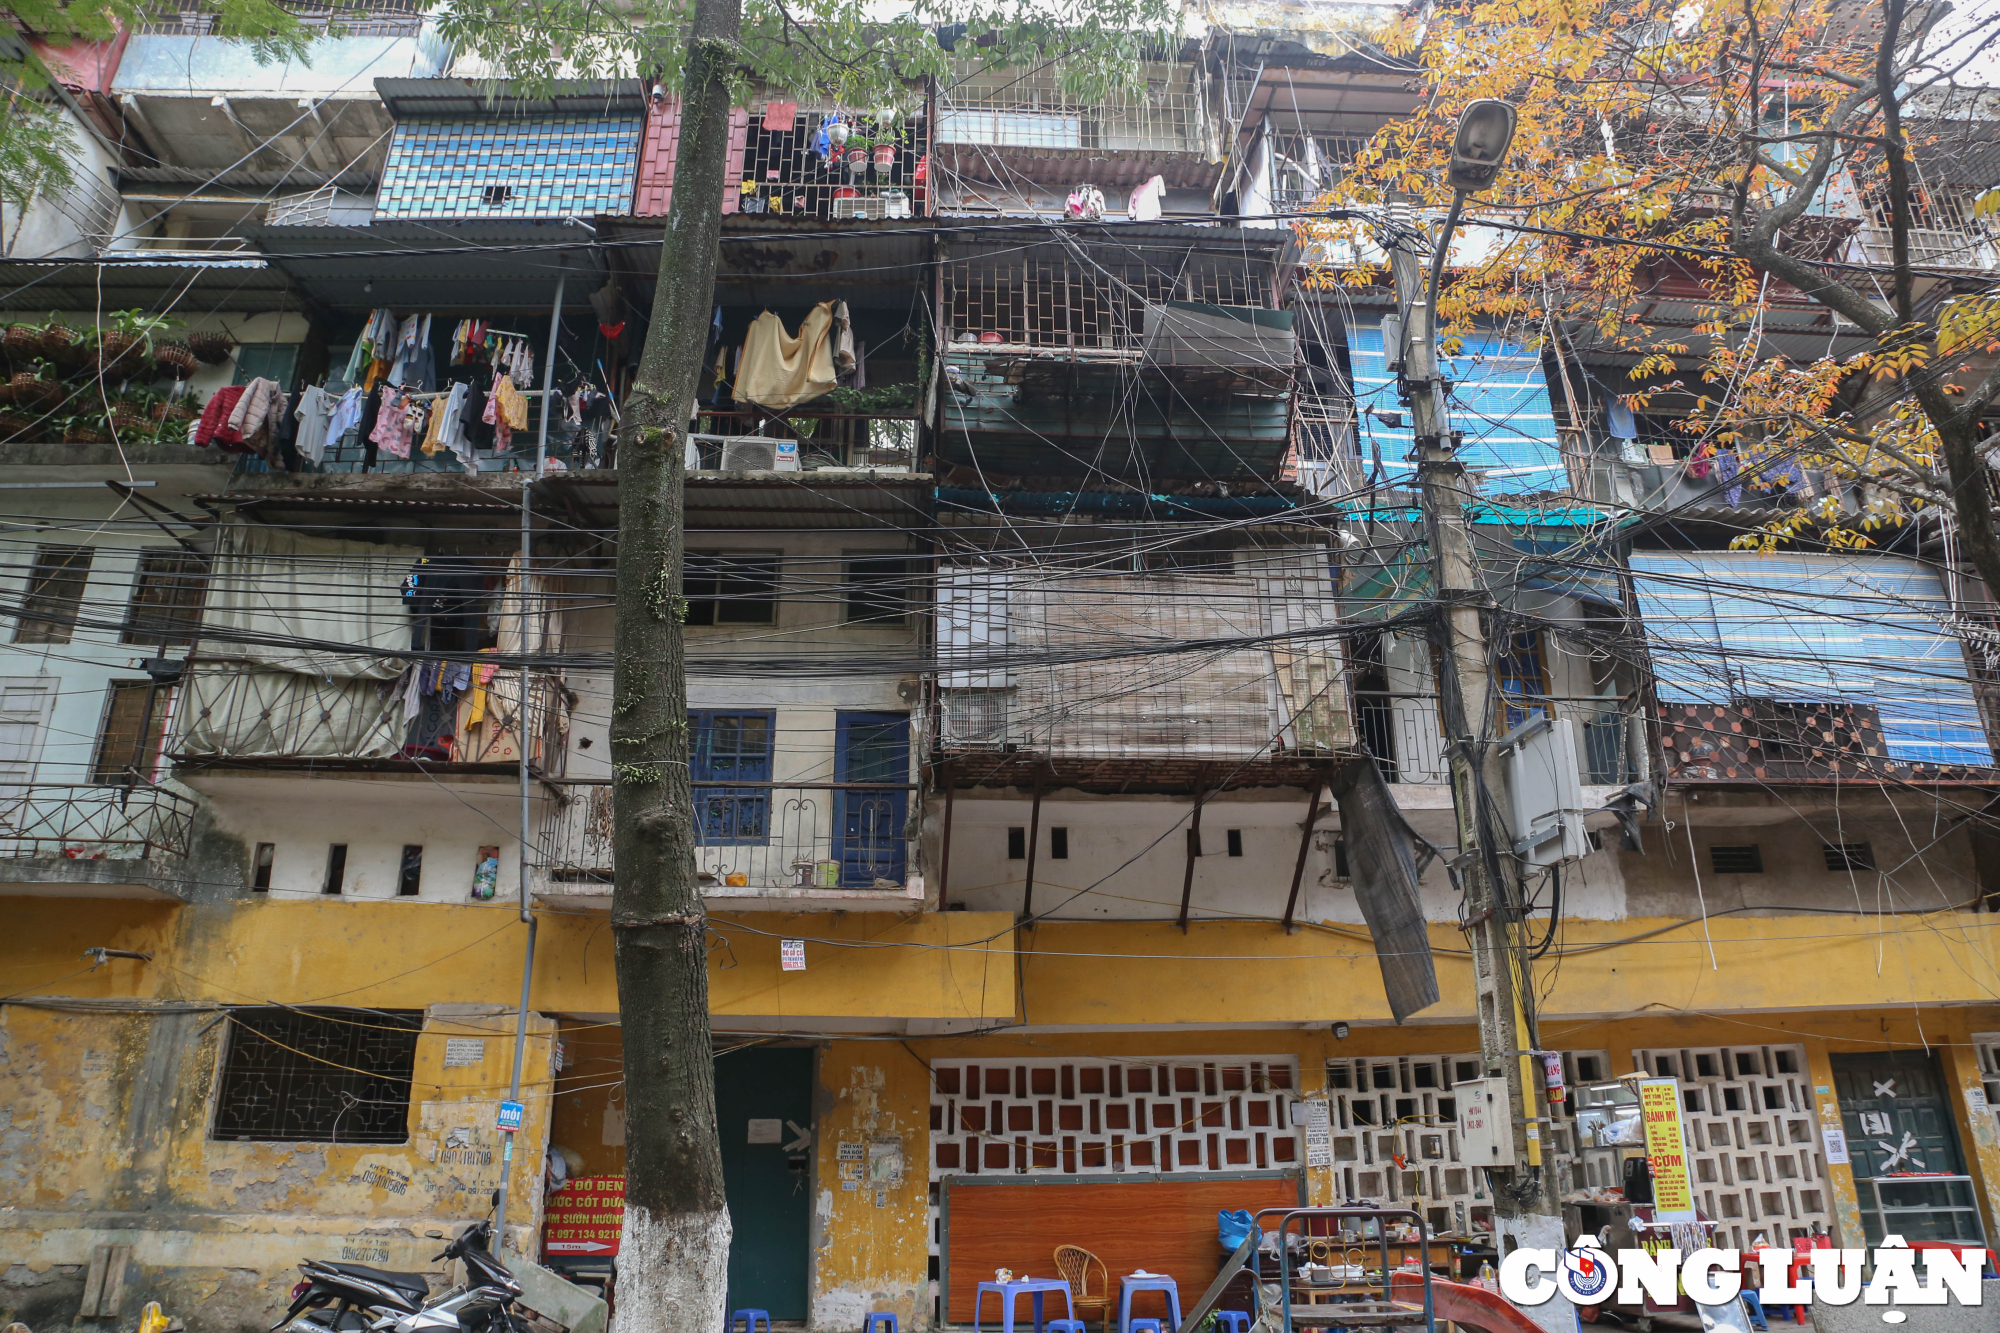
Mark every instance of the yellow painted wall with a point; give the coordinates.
(408, 955)
(107, 1142)
(869, 1243)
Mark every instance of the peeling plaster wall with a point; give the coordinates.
(104, 1141)
(870, 1249)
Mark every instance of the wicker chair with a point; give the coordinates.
(1075, 1264)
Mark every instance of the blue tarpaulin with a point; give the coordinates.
(1857, 629)
(1499, 398)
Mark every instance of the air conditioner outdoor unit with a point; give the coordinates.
(745, 453)
(741, 453)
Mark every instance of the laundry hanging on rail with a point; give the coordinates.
(780, 371)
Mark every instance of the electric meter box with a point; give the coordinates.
(1485, 1129)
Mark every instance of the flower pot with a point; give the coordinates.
(64, 345)
(86, 432)
(885, 159)
(177, 359)
(857, 159)
(127, 419)
(33, 392)
(22, 343)
(118, 351)
(172, 412)
(14, 425)
(211, 349)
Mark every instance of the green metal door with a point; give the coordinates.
(763, 1098)
(1907, 1168)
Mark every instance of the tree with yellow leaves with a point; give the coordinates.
(1727, 152)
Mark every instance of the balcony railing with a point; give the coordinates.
(1402, 732)
(92, 821)
(752, 836)
(234, 716)
(1969, 248)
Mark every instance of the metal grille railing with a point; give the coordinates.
(375, 18)
(1402, 732)
(749, 835)
(89, 821)
(1012, 108)
(1050, 296)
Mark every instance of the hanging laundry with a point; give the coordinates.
(448, 426)
(1728, 467)
(513, 405)
(780, 371)
(1144, 204)
(503, 434)
(346, 415)
(1619, 422)
(1702, 462)
(315, 416)
(215, 416)
(392, 430)
(843, 341)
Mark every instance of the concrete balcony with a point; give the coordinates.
(759, 846)
(94, 840)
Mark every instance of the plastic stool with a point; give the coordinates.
(1232, 1321)
(879, 1322)
(749, 1319)
(1144, 1326)
(1065, 1326)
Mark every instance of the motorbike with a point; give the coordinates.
(353, 1298)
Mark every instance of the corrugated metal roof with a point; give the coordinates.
(290, 181)
(496, 266)
(237, 283)
(500, 97)
(819, 499)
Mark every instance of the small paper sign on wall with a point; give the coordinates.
(792, 955)
(462, 1052)
(1836, 1147)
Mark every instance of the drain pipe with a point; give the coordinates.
(527, 914)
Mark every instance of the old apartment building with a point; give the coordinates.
(1025, 634)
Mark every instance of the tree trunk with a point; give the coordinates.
(673, 1263)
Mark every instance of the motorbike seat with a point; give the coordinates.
(415, 1283)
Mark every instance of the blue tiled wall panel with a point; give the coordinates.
(551, 166)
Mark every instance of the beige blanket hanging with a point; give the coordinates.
(780, 371)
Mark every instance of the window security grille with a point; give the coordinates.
(319, 1076)
(1744, 860)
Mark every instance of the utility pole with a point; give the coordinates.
(1526, 1200)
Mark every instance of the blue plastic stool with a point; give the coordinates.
(879, 1322)
(1144, 1326)
(749, 1319)
(1065, 1326)
(1232, 1321)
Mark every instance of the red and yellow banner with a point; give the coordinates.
(1666, 1150)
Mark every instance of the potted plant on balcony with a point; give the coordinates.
(887, 149)
(211, 347)
(128, 414)
(22, 343)
(127, 345)
(36, 389)
(175, 358)
(86, 428)
(63, 346)
(859, 145)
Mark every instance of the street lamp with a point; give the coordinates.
(1485, 132)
